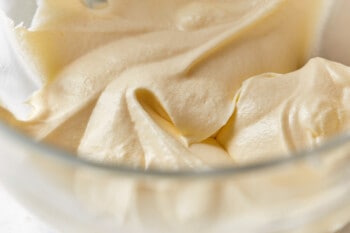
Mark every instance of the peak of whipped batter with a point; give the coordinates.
(283, 113)
(167, 84)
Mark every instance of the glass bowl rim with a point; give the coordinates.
(75, 160)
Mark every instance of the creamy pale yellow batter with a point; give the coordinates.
(159, 83)
(188, 84)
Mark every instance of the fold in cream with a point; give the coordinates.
(283, 113)
(152, 83)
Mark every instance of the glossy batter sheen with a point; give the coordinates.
(159, 83)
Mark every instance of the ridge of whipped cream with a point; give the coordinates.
(280, 113)
(158, 84)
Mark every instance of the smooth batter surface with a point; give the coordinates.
(159, 83)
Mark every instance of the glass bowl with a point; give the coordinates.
(308, 191)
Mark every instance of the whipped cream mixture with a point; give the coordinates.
(167, 84)
(182, 84)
